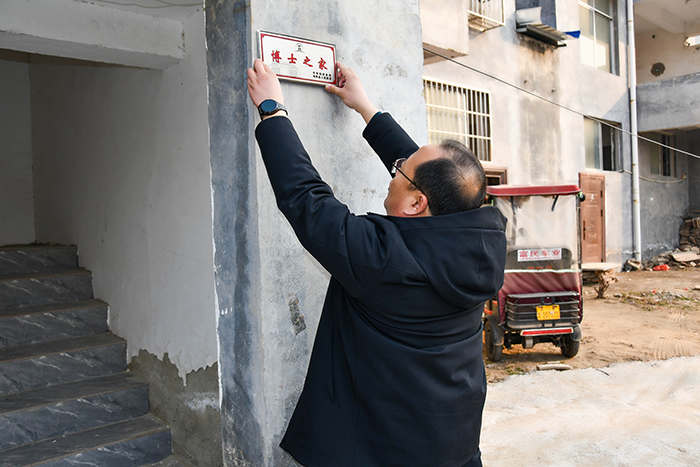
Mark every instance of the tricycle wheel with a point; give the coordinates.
(569, 347)
(493, 351)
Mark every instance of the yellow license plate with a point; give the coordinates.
(545, 312)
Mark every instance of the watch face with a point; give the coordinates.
(268, 105)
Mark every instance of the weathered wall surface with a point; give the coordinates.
(265, 281)
(16, 184)
(190, 406)
(670, 103)
(664, 201)
(692, 140)
(538, 142)
(121, 168)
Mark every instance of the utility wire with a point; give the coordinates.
(164, 4)
(652, 180)
(560, 105)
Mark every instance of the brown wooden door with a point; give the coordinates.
(592, 218)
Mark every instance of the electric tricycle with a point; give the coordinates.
(540, 300)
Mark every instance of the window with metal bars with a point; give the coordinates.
(459, 113)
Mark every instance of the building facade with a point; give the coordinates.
(551, 104)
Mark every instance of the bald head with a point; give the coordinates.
(453, 183)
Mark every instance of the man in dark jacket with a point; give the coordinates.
(396, 376)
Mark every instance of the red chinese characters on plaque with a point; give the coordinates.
(543, 254)
(298, 59)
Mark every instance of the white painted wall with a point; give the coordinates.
(16, 191)
(122, 170)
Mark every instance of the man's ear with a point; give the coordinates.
(418, 207)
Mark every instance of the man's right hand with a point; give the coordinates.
(351, 91)
(263, 84)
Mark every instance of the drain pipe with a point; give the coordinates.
(632, 61)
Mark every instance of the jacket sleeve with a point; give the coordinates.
(388, 139)
(354, 249)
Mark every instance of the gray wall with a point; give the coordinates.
(663, 202)
(262, 274)
(538, 142)
(671, 105)
(16, 180)
(121, 169)
(692, 139)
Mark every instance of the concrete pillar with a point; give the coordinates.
(269, 290)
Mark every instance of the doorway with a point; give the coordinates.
(592, 218)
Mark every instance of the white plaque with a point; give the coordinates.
(298, 59)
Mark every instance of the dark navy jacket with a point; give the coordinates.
(396, 376)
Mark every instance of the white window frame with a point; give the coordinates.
(458, 113)
(597, 146)
(597, 61)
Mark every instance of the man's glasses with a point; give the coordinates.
(396, 167)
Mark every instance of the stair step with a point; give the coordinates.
(130, 443)
(47, 363)
(30, 416)
(170, 461)
(43, 288)
(31, 325)
(24, 259)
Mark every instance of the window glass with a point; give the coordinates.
(608, 146)
(654, 163)
(602, 43)
(592, 143)
(604, 6)
(667, 156)
(587, 38)
(597, 35)
(601, 144)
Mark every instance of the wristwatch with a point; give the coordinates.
(269, 107)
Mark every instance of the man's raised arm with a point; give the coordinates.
(351, 91)
(386, 137)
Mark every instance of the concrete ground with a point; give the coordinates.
(628, 414)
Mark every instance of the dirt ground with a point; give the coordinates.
(645, 316)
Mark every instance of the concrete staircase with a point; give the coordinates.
(65, 396)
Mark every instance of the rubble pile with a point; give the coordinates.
(687, 255)
(675, 259)
(690, 234)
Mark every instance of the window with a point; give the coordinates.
(601, 144)
(596, 38)
(495, 175)
(662, 160)
(485, 14)
(460, 114)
